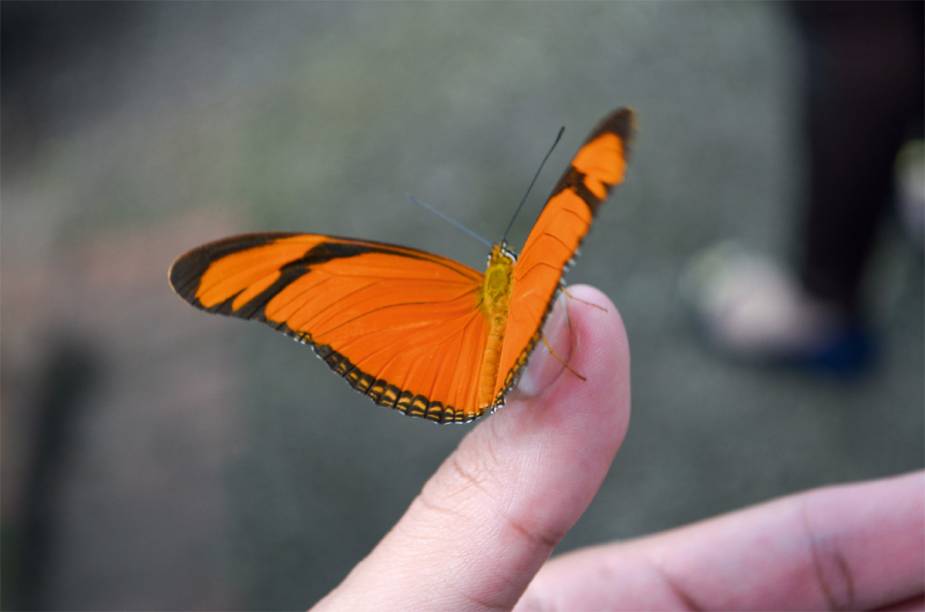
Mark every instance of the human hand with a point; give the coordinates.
(482, 528)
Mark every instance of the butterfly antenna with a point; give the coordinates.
(450, 220)
(530, 186)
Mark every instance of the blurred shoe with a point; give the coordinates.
(750, 309)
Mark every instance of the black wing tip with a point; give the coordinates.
(185, 272)
(187, 269)
(621, 122)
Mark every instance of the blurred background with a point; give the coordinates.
(154, 457)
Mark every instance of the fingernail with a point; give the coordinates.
(543, 368)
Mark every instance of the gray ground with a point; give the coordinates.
(198, 462)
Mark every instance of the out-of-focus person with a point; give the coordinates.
(862, 102)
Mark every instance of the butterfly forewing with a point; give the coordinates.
(401, 325)
(597, 167)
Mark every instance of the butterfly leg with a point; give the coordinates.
(577, 299)
(560, 359)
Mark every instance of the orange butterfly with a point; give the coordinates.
(414, 331)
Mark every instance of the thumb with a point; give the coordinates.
(489, 518)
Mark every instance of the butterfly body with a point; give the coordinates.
(495, 304)
(414, 331)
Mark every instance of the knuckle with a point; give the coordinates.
(829, 567)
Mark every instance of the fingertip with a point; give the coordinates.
(585, 358)
(601, 344)
(551, 354)
(602, 349)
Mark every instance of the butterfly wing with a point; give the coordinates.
(400, 325)
(596, 168)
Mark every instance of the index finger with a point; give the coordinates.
(850, 547)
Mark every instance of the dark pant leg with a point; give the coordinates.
(864, 92)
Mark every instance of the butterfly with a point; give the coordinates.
(414, 331)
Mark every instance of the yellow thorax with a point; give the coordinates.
(496, 290)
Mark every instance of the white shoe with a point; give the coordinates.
(749, 308)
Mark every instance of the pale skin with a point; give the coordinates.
(479, 535)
